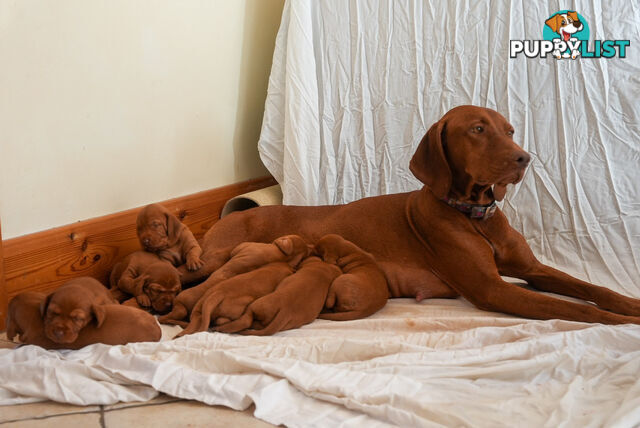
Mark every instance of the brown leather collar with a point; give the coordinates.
(476, 211)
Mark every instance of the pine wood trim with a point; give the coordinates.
(42, 261)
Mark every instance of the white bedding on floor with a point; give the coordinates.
(438, 362)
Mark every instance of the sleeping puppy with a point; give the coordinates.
(245, 257)
(72, 307)
(297, 301)
(362, 288)
(152, 281)
(24, 319)
(230, 298)
(162, 233)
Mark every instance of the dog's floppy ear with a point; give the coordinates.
(554, 22)
(429, 163)
(99, 313)
(285, 244)
(44, 305)
(174, 226)
(573, 15)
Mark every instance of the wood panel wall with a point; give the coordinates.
(43, 261)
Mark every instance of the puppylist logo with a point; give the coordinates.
(566, 35)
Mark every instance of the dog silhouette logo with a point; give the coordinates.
(571, 28)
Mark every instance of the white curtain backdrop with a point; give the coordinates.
(355, 85)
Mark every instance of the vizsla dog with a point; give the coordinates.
(162, 233)
(239, 259)
(120, 325)
(446, 239)
(297, 301)
(71, 307)
(362, 288)
(152, 281)
(229, 299)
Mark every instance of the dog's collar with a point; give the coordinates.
(472, 210)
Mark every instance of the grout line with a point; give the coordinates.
(41, 418)
(102, 424)
(135, 406)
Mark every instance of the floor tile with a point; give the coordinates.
(41, 409)
(83, 420)
(180, 414)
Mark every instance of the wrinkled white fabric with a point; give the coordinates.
(356, 84)
(434, 363)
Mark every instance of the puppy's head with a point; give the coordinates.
(329, 248)
(157, 228)
(294, 248)
(565, 24)
(161, 283)
(469, 150)
(65, 314)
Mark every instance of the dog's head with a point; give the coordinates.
(157, 228)
(565, 24)
(294, 248)
(66, 311)
(469, 150)
(161, 283)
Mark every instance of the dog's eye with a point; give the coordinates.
(564, 22)
(478, 129)
(510, 133)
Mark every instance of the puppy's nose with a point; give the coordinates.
(146, 241)
(522, 159)
(59, 333)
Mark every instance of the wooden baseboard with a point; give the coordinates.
(43, 261)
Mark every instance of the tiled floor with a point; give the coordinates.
(163, 411)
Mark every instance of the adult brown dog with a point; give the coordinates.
(71, 307)
(425, 243)
(237, 260)
(297, 301)
(152, 281)
(361, 290)
(163, 233)
(120, 325)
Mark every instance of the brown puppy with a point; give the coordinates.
(230, 298)
(297, 301)
(162, 233)
(120, 325)
(153, 282)
(447, 239)
(243, 258)
(362, 288)
(73, 306)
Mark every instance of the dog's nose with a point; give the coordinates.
(146, 241)
(522, 159)
(59, 333)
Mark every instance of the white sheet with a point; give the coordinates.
(435, 363)
(356, 84)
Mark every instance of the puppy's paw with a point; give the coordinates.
(194, 263)
(143, 300)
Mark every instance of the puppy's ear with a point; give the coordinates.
(554, 22)
(429, 163)
(44, 305)
(285, 245)
(573, 15)
(499, 190)
(174, 227)
(99, 313)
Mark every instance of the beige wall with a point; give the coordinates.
(107, 105)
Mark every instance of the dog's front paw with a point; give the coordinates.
(143, 300)
(194, 263)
